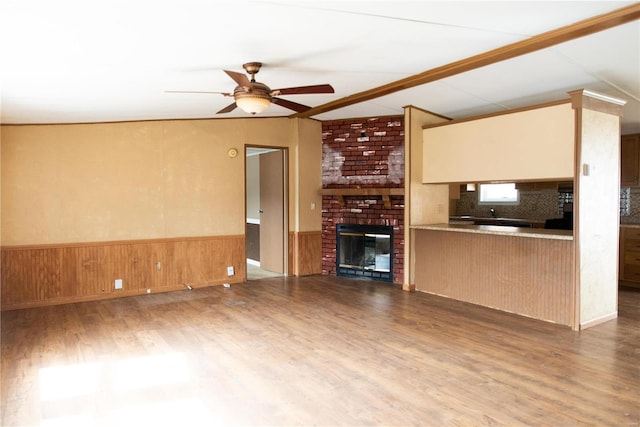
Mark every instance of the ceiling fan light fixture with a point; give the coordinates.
(254, 97)
(253, 104)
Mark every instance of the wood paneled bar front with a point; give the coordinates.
(519, 270)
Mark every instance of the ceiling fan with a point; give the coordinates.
(255, 97)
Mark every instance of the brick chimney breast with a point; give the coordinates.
(359, 155)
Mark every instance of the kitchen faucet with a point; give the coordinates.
(493, 213)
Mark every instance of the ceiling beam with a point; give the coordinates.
(532, 44)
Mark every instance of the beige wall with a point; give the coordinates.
(73, 183)
(423, 203)
(429, 204)
(308, 176)
(139, 180)
(524, 145)
(598, 216)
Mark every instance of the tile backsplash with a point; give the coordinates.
(534, 204)
(625, 202)
(630, 197)
(544, 204)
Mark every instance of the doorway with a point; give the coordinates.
(266, 211)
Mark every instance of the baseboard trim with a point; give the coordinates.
(409, 288)
(598, 320)
(106, 296)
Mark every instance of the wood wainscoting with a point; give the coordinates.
(42, 275)
(305, 253)
(524, 275)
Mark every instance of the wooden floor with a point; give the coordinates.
(313, 351)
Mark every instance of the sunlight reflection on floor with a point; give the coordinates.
(92, 394)
(149, 371)
(181, 412)
(64, 382)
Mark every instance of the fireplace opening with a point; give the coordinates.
(365, 251)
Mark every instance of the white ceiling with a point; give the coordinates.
(71, 61)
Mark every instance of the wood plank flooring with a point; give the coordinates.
(313, 351)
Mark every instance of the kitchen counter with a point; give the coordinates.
(481, 220)
(630, 225)
(528, 271)
(539, 233)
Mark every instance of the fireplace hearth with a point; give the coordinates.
(365, 251)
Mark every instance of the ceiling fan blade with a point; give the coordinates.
(229, 108)
(305, 89)
(290, 105)
(239, 78)
(197, 91)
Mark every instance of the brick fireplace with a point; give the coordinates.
(363, 180)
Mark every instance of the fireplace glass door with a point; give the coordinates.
(365, 251)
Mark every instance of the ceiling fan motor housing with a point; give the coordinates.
(259, 90)
(253, 99)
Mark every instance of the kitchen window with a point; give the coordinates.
(498, 194)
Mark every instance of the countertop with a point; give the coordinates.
(630, 225)
(470, 218)
(538, 233)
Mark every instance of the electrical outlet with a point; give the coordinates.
(118, 284)
(230, 271)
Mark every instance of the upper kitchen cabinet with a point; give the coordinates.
(528, 144)
(630, 160)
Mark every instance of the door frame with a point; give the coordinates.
(285, 198)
